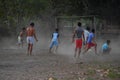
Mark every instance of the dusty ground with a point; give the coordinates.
(16, 65)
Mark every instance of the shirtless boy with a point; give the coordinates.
(31, 35)
(20, 37)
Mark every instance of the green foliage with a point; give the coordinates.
(13, 12)
(89, 78)
(113, 75)
(91, 72)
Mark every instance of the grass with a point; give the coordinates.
(113, 75)
(91, 72)
(89, 78)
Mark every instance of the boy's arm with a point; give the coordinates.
(58, 38)
(94, 41)
(21, 33)
(83, 36)
(52, 36)
(73, 37)
(35, 35)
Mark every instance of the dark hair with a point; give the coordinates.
(23, 28)
(93, 30)
(79, 24)
(88, 28)
(108, 41)
(32, 24)
(56, 29)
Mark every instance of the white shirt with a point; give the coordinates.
(86, 34)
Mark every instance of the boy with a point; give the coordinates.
(79, 34)
(30, 38)
(105, 47)
(55, 39)
(86, 34)
(21, 36)
(91, 42)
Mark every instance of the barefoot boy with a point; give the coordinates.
(106, 48)
(91, 42)
(55, 40)
(20, 37)
(79, 34)
(30, 38)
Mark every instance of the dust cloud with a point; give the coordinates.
(66, 47)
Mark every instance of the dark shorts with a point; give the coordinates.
(78, 43)
(107, 50)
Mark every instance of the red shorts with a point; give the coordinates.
(91, 45)
(78, 43)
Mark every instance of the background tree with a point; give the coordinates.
(16, 13)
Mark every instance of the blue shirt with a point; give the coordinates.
(55, 36)
(104, 46)
(90, 37)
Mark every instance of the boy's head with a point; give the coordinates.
(32, 24)
(93, 30)
(79, 24)
(108, 42)
(56, 29)
(88, 28)
(23, 28)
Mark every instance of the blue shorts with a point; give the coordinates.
(53, 43)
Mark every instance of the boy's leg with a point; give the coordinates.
(76, 43)
(51, 46)
(86, 48)
(93, 45)
(19, 41)
(95, 48)
(75, 52)
(56, 44)
(109, 49)
(28, 51)
(19, 44)
(31, 48)
(31, 44)
(79, 51)
(22, 43)
(85, 44)
(30, 41)
(56, 48)
(79, 46)
(28, 45)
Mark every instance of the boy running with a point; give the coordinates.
(30, 38)
(106, 48)
(91, 41)
(21, 36)
(79, 34)
(54, 41)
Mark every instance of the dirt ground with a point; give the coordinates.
(42, 65)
